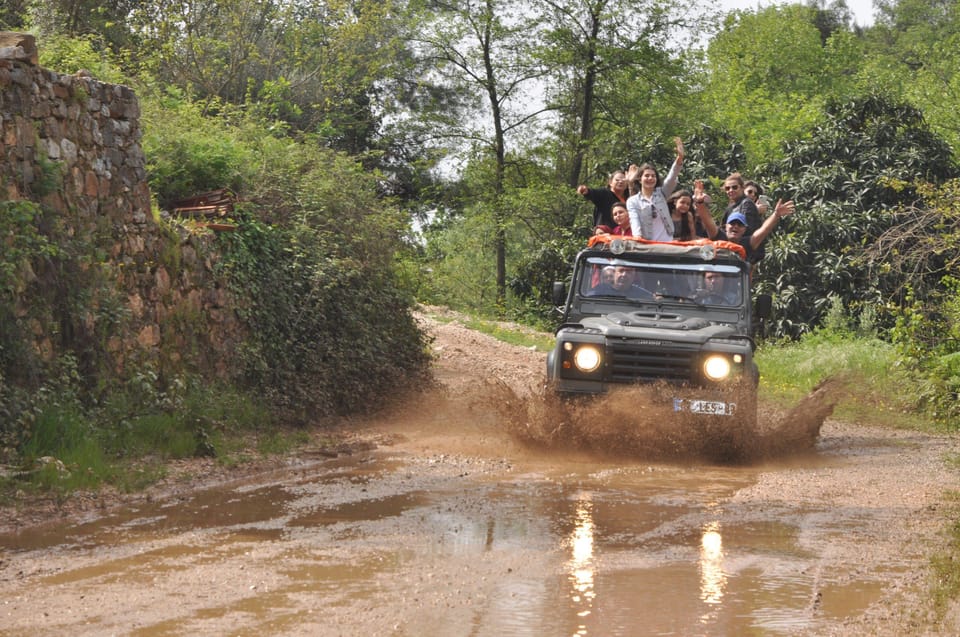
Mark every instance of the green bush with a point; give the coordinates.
(880, 388)
(66, 54)
(328, 335)
(840, 177)
(927, 337)
(65, 444)
(187, 152)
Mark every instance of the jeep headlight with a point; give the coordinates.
(587, 358)
(716, 367)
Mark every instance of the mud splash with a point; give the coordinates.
(633, 422)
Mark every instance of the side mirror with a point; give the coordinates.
(559, 293)
(763, 307)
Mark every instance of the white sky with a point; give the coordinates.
(862, 10)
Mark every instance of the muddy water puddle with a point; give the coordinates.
(454, 547)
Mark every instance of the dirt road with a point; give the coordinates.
(472, 512)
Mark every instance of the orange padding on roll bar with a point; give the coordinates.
(721, 245)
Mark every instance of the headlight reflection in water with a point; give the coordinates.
(581, 561)
(712, 578)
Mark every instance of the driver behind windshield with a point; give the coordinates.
(623, 285)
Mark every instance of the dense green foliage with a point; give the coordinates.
(19, 365)
(841, 177)
(189, 153)
(70, 299)
(331, 331)
(312, 266)
(846, 350)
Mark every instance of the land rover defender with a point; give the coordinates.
(641, 312)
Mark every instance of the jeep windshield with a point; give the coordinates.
(621, 279)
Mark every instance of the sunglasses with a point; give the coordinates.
(750, 192)
(729, 188)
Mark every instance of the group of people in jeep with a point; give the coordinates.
(638, 203)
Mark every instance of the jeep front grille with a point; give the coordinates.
(630, 361)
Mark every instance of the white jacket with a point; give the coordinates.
(651, 216)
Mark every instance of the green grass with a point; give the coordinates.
(281, 442)
(522, 337)
(878, 389)
(128, 440)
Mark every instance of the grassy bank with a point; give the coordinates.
(128, 440)
(879, 390)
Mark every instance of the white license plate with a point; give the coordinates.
(708, 407)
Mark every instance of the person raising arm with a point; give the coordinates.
(649, 213)
(735, 229)
(604, 198)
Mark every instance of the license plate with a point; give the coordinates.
(708, 407)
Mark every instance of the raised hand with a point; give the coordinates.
(784, 208)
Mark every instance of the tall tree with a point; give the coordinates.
(609, 59)
(315, 66)
(105, 19)
(341, 64)
(13, 16)
(770, 73)
(914, 49)
(481, 50)
(208, 48)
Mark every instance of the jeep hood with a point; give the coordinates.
(658, 325)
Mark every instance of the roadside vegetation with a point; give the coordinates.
(878, 386)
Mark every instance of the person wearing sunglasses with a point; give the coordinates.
(753, 190)
(738, 201)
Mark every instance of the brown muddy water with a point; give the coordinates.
(505, 540)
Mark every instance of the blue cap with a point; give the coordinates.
(737, 216)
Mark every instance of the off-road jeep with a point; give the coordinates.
(681, 313)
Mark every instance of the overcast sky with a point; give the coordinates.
(862, 9)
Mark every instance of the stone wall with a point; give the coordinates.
(87, 134)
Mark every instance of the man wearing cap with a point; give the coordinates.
(736, 190)
(735, 229)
